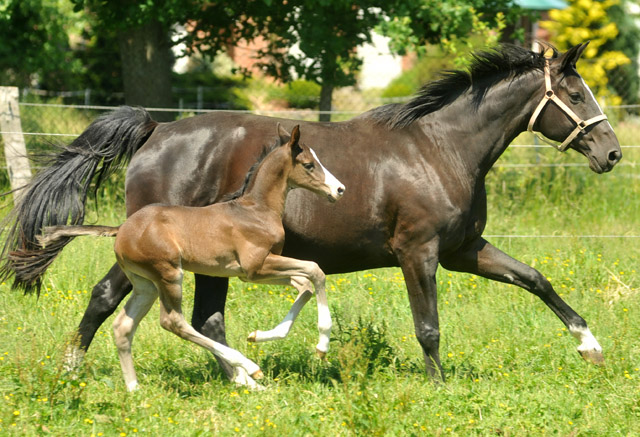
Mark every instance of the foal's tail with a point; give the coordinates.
(52, 234)
(57, 195)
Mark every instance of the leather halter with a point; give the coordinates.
(550, 96)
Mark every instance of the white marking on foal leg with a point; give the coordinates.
(124, 327)
(283, 328)
(324, 316)
(241, 377)
(589, 347)
(324, 325)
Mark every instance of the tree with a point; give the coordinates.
(144, 43)
(588, 20)
(627, 85)
(326, 34)
(413, 24)
(35, 48)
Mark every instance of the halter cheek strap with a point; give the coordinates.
(549, 95)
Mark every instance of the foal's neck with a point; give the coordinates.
(268, 187)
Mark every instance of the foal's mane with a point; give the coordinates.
(487, 68)
(249, 176)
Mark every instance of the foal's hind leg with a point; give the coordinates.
(483, 259)
(125, 325)
(172, 319)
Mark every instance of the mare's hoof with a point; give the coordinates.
(252, 337)
(257, 374)
(321, 354)
(593, 357)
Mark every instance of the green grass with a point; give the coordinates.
(511, 367)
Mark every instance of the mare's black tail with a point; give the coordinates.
(58, 193)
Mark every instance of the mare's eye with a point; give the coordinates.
(309, 166)
(576, 97)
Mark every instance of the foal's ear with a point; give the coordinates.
(283, 134)
(570, 58)
(295, 141)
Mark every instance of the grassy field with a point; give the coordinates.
(511, 367)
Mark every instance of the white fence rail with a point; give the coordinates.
(13, 130)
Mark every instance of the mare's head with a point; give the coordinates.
(569, 113)
(307, 170)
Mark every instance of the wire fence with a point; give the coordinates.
(43, 122)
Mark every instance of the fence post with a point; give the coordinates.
(15, 150)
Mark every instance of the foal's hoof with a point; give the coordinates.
(252, 338)
(593, 357)
(257, 374)
(321, 354)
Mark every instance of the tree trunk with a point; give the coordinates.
(147, 60)
(326, 93)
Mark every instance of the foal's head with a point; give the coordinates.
(307, 171)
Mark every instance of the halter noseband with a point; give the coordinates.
(549, 95)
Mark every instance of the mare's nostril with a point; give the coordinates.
(614, 156)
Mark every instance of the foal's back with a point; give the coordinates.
(159, 241)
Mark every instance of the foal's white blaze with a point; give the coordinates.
(330, 180)
(595, 100)
(587, 341)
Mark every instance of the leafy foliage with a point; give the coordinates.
(446, 23)
(35, 45)
(588, 20)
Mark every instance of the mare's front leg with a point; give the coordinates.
(483, 259)
(419, 263)
(208, 312)
(280, 270)
(105, 298)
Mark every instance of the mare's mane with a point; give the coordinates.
(487, 68)
(247, 179)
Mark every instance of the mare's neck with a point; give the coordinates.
(268, 186)
(479, 135)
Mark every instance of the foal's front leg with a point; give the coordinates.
(279, 270)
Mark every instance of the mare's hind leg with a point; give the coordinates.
(105, 298)
(172, 319)
(483, 259)
(125, 325)
(278, 269)
(209, 300)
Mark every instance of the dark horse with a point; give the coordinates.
(415, 172)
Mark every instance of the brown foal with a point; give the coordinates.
(240, 238)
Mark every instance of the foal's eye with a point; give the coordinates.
(576, 97)
(309, 166)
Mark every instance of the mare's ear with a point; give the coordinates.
(570, 58)
(295, 141)
(283, 134)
